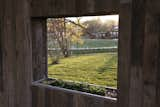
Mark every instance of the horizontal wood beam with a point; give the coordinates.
(61, 8)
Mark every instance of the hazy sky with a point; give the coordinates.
(102, 18)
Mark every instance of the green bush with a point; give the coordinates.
(84, 87)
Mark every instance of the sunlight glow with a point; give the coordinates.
(102, 18)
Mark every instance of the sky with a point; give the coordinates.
(102, 18)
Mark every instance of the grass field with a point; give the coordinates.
(99, 69)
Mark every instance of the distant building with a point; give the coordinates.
(100, 35)
(114, 32)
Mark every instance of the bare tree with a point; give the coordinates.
(62, 33)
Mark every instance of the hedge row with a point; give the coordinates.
(88, 51)
(83, 87)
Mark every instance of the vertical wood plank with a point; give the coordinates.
(151, 69)
(1, 69)
(3, 100)
(16, 53)
(131, 44)
(137, 47)
(124, 54)
(39, 49)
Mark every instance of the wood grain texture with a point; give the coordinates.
(48, 96)
(124, 57)
(61, 8)
(17, 54)
(1, 64)
(2, 102)
(39, 49)
(151, 69)
(131, 46)
(139, 52)
(153, 6)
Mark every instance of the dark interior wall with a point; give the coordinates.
(15, 34)
(60, 8)
(151, 67)
(139, 60)
(1, 71)
(139, 36)
(124, 54)
(39, 48)
(139, 56)
(132, 26)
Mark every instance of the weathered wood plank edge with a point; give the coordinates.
(38, 84)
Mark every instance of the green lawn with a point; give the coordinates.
(99, 69)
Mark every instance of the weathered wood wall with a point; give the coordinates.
(124, 54)
(131, 41)
(139, 59)
(151, 56)
(16, 49)
(139, 45)
(39, 49)
(48, 96)
(59, 8)
(1, 71)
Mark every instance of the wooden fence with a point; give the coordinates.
(50, 96)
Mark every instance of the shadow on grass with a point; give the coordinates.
(53, 64)
(50, 65)
(109, 65)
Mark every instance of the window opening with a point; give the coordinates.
(84, 51)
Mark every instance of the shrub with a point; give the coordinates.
(84, 87)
